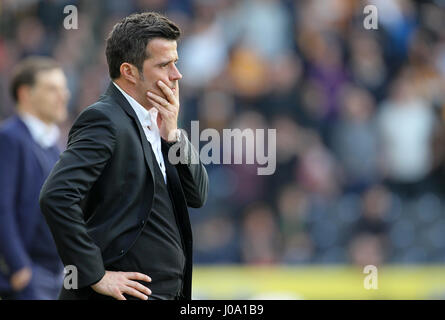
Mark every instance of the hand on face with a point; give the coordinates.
(168, 108)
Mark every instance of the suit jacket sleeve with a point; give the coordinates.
(192, 173)
(11, 243)
(90, 146)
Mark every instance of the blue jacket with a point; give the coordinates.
(25, 239)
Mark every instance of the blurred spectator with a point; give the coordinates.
(248, 71)
(219, 242)
(367, 65)
(253, 21)
(367, 249)
(203, 54)
(290, 137)
(31, 38)
(326, 69)
(406, 124)
(215, 110)
(30, 265)
(375, 207)
(250, 186)
(369, 244)
(317, 170)
(355, 140)
(293, 209)
(399, 20)
(260, 243)
(284, 98)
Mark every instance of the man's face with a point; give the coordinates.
(49, 96)
(161, 65)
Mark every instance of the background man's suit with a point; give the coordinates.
(25, 240)
(99, 198)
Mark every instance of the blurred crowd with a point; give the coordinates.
(359, 117)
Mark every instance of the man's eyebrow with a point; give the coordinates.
(167, 62)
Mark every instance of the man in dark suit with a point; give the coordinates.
(115, 203)
(30, 267)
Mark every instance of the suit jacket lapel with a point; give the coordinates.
(117, 95)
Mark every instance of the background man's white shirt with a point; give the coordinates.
(45, 135)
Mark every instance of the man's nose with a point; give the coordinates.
(176, 75)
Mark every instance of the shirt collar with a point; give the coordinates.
(146, 117)
(45, 135)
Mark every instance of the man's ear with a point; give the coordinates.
(23, 93)
(129, 72)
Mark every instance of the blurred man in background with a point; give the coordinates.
(30, 267)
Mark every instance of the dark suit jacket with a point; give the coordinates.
(22, 173)
(100, 192)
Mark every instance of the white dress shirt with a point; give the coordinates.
(45, 135)
(147, 118)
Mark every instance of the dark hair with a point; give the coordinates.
(25, 72)
(128, 40)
